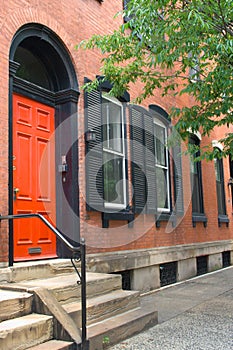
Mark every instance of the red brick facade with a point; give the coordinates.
(73, 21)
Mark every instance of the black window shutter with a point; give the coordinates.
(178, 182)
(143, 169)
(94, 152)
(138, 160)
(150, 163)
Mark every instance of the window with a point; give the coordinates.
(162, 166)
(31, 68)
(221, 199)
(106, 166)
(196, 180)
(150, 158)
(113, 153)
(106, 175)
(231, 176)
(194, 70)
(220, 186)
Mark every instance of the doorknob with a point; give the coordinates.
(16, 190)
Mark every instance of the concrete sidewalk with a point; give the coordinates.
(196, 315)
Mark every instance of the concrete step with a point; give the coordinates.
(54, 345)
(14, 304)
(66, 290)
(118, 328)
(24, 332)
(104, 306)
(113, 314)
(39, 269)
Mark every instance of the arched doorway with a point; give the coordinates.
(43, 96)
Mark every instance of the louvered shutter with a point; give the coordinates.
(138, 159)
(150, 163)
(178, 182)
(94, 151)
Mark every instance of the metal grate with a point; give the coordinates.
(226, 259)
(168, 273)
(202, 265)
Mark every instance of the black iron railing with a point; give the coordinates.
(79, 252)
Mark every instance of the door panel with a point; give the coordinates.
(23, 169)
(33, 178)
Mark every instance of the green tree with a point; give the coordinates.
(179, 47)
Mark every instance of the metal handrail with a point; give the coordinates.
(47, 223)
(81, 249)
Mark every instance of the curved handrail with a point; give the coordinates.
(47, 223)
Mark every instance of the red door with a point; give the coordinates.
(33, 178)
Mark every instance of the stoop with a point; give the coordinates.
(50, 290)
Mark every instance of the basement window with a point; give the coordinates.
(168, 273)
(126, 279)
(202, 265)
(226, 259)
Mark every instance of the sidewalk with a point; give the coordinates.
(193, 315)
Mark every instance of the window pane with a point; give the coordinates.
(160, 147)
(196, 180)
(112, 126)
(115, 128)
(231, 166)
(221, 199)
(105, 123)
(162, 193)
(220, 186)
(193, 167)
(113, 179)
(217, 169)
(31, 68)
(196, 196)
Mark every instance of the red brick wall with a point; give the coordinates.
(73, 21)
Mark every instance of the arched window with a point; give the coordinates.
(151, 171)
(218, 164)
(196, 179)
(231, 176)
(196, 184)
(162, 166)
(31, 68)
(220, 190)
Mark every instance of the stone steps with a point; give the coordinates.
(113, 314)
(66, 290)
(39, 269)
(54, 345)
(104, 306)
(23, 332)
(115, 329)
(14, 304)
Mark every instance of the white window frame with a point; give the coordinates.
(120, 154)
(167, 168)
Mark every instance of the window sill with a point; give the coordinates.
(199, 218)
(121, 215)
(165, 217)
(223, 219)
